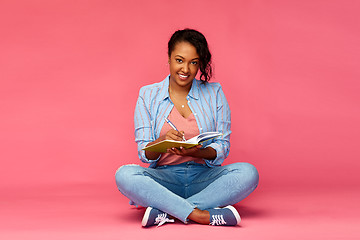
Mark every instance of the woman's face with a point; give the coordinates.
(184, 64)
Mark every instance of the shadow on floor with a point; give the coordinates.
(250, 212)
(135, 215)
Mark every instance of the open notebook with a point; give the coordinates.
(166, 144)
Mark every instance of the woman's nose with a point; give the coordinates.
(185, 68)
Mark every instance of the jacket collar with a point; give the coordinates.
(194, 90)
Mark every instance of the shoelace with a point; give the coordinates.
(161, 219)
(217, 220)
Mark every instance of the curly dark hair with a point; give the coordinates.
(198, 40)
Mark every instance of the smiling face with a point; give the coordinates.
(184, 65)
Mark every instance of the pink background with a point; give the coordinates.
(70, 72)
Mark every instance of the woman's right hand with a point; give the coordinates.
(174, 135)
(170, 135)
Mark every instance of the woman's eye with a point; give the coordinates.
(194, 63)
(179, 60)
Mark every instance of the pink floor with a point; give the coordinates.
(100, 212)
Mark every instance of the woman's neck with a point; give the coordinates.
(177, 90)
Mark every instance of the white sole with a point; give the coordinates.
(146, 216)
(236, 214)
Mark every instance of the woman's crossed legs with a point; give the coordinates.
(186, 190)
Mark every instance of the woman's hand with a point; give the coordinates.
(170, 135)
(174, 135)
(193, 151)
(206, 153)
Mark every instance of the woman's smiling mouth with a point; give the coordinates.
(183, 77)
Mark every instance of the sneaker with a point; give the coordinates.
(154, 216)
(227, 216)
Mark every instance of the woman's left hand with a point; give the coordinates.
(193, 151)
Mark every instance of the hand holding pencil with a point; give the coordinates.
(174, 127)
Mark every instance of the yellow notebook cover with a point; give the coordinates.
(164, 145)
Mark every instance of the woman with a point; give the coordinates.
(185, 183)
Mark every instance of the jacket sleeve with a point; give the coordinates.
(223, 125)
(143, 127)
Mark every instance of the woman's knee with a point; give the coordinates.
(246, 169)
(124, 174)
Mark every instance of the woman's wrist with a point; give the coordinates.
(207, 153)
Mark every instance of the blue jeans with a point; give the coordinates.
(178, 189)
